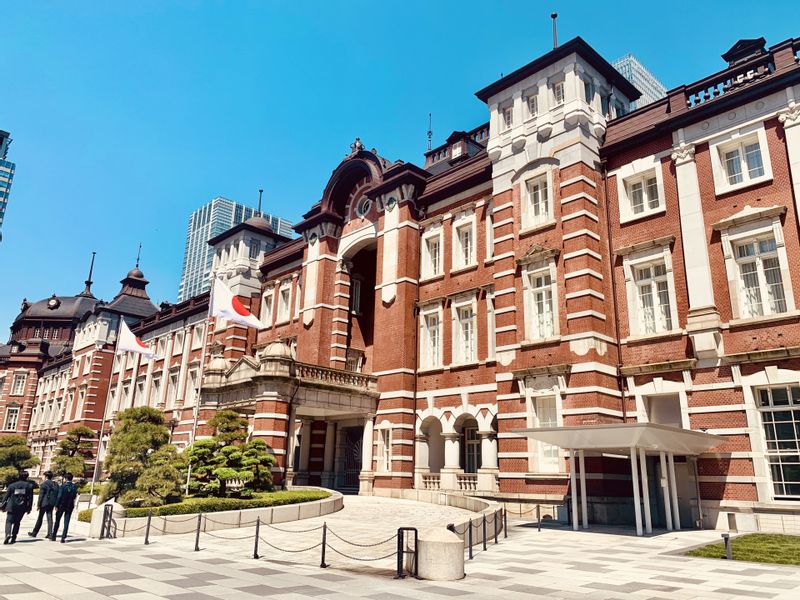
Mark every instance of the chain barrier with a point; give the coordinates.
(371, 545)
(499, 520)
(293, 531)
(222, 537)
(362, 559)
(317, 545)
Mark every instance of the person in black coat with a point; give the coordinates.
(48, 494)
(17, 501)
(65, 504)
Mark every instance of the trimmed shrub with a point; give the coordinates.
(85, 516)
(209, 505)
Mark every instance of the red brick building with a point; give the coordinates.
(566, 265)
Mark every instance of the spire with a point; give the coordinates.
(260, 192)
(87, 291)
(138, 255)
(554, 16)
(430, 130)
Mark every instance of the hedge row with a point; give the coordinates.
(209, 505)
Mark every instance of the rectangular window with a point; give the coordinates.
(355, 296)
(541, 318)
(456, 150)
(266, 309)
(472, 450)
(432, 256)
(12, 418)
(506, 118)
(780, 417)
(284, 298)
(18, 384)
(155, 399)
(46, 334)
(533, 105)
(652, 291)
(465, 350)
(588, 91)
(742, 161)
(82, 399)
(760, 278)
(558, 93)
(177, 346)
(464, 254)
(197, 337)
(431, 340)
(643, 193)
(385, 456)
(549, 460)
(538, 208)
(255, 248)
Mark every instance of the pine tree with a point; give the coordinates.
(74, 450)
(15, 456)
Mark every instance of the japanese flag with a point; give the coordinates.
(225, 304)
(128, 342)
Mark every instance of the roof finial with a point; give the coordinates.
(430, 130)
(554, 16)
(138, 255)
(260, 192)
(87, 291)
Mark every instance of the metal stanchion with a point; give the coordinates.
(494, 522)
(470, 538)
(451, 527)
(484, 531)
(258, 532)
(400, 547)
(728, 548)
(505, 522)
(539, 517)
(197, 534)
(147, 528)
(322, 563)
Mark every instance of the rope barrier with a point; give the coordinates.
(361, 559)
(368, 545)
(317, 545)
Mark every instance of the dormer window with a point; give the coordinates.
(558, 93)
(255, 248)
(533, 105)
(506, 118)
(456, 150)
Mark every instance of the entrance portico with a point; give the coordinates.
(634, 442)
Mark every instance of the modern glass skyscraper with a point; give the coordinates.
(207, 222)
(6, 175)
(642, 79)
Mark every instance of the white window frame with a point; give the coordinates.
(777, 454)
(639, 171)
(178, 341)
(11, 418)
(430, 268)
(456, 149)
(18, 383)
(197, 336)
(529, 220)
(489, 223)
(738, 138)
(384, 449)
(506, 113)
(537, 390)
(732, 237)
(491, 325)
(461, 222)
(630, 264)
(267, 307)
(430, 355)
(532, 104)
(548, 266)
(465, 351)
(284, 302)
(559, 85)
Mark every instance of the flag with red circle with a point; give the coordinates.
(224, 303)
(127, 342)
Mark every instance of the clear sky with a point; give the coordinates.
(128, 115)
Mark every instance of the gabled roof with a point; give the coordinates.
(576, 45)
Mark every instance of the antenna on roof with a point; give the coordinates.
(430, 130)
(260, 192)
(138, 254)
(88, 289)
(554, 16)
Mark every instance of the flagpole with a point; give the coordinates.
(196, 415)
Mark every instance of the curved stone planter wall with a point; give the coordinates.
(229, 519)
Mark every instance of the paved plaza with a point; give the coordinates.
(553, 563)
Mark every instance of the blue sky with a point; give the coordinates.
(127, 115)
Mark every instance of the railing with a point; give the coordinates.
(467, 482)
(430, 481)
(727, 81)
(335, 376)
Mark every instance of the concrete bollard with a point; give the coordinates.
(97, 517)
(441, 555)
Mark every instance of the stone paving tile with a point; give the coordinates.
(741, 592)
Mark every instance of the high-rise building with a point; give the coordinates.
(6, 175)
(647, 83)
(205, 223)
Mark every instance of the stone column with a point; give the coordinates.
(703, 322)
(790, 119)
(421, 463)
(301, 477)
(367, 476)
(452, 461)
(162, 401)
(487, 474)
(290, 446)
(330, 447)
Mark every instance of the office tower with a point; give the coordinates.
(6, 175)
(647, 83)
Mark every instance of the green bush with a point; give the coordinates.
(85, 516)
(208, 505)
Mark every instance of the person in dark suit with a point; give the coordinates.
(48, 494)
(17, 501)
(65, 504)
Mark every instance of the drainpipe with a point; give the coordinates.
(615, 307)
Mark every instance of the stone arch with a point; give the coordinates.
(361, 170)
(431, 429)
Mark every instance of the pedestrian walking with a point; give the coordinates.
(17, 501)
(65, 504)
(48, 494)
